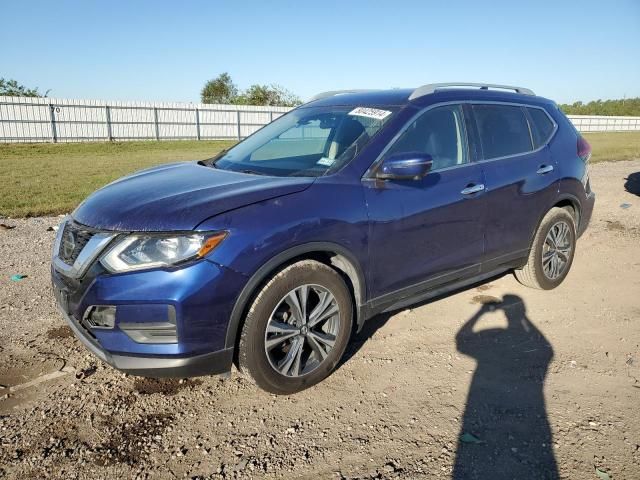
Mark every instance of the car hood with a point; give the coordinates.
(178, 196)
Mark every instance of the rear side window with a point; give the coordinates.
(542, 127)
(503, 130)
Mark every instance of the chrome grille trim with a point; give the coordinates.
(85, 256)
(73, 240)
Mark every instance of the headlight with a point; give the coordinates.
(139, 251)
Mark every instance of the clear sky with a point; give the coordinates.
(165, 50)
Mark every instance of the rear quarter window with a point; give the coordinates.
(542, 127)
(503, 130)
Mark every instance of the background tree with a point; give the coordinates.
(223, 90)
(12, 88)
(625, 107)
(219, 90)
(273, 95)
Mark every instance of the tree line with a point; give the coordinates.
(624, 107)
(223, 90)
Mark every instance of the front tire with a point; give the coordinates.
(297, 328)
(552, 251)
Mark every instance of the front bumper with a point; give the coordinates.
(194, 299)
(206, 364)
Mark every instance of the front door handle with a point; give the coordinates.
(544, 169)
(473, 189)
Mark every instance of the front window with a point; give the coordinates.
(306, 142)
(438, 132)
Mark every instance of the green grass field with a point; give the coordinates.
(42, 179)
(614, 146)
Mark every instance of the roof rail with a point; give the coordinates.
(432, 87)
(332, 93)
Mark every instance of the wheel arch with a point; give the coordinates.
(331, 254)
(564, 201)
(567, 201)
(532, 272)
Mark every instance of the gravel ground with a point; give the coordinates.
(421, 393)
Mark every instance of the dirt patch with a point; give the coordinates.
(59, 332)
(169, 386)
(56, 441)
(485, 299)
(130, 442)
(484, 288)
(11, 377)
(22, 385)
(118, 442)
(617, 226)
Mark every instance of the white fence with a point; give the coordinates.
(595, 123)
(24, 119)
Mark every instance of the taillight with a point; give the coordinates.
(584, 149)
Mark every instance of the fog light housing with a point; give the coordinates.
(100, 316)
(151, 332)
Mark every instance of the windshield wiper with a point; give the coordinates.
(207, 163)
(306, 173)
(211, 162)
(253, 172)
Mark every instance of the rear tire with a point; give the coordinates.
(297, 328)
(552, 251)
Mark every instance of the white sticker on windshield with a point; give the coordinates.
(370, 113)
(327, 162)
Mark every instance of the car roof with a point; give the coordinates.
(396, 97)
(426, 95)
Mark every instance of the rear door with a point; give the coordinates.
(521, 177)
(429, 231)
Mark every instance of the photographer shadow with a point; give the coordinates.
(505, 433)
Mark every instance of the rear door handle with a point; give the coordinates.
(544, 169)
(473, 189)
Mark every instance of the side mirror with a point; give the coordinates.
(405, 166)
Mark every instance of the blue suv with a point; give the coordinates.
(272, 253)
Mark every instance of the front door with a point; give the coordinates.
(429, 231)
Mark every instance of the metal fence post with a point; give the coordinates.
(107, 116)
(238, 123)
(270, 117)
(52, 120)
(155, 122)
(197, 124)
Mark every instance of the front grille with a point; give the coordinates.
(74, 238)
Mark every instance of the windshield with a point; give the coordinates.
(305, 142)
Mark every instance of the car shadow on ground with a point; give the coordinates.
(372, 325)
(632, 184)
(505, 432)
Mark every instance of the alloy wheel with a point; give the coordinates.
(302, 330)
(556, 250)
